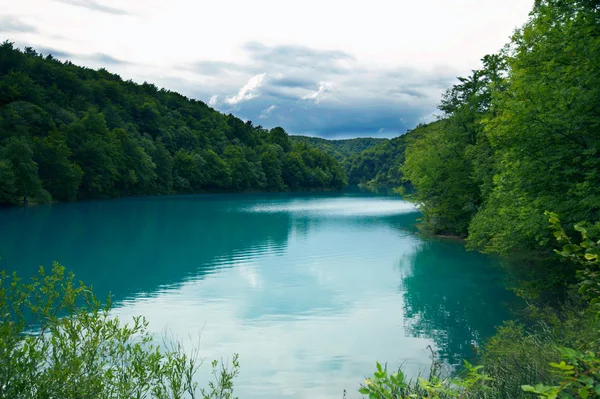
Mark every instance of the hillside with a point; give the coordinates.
(68, 132)
(381, 164)
(340, 149)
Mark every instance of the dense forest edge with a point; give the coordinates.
(512, 165)
(68, 133)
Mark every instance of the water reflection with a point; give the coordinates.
(309, 289)
(451, 298)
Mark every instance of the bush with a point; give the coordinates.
(58, 341)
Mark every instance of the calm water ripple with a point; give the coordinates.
(309, 289)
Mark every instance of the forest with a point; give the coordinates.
(512, 167)
(68, 133)
(341, 148)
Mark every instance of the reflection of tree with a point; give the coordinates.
(137, 245)
(453, 297)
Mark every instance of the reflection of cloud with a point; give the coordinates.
(338, 207)
(306, 325)
(248, 91)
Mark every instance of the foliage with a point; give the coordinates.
(517, 137)
(77, 133)
(384, 385)
(58, 340)
(380, 164)
(585, 255)
(340, 148)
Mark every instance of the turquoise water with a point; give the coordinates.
(309, 289)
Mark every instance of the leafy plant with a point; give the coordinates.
(58, 341)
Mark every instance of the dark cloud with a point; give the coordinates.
(12, 24)
(104, 59)
(298, 57)
(53, 52)
(294, 82)
(408, 92)
(95, 6)
(212, 68)
(95, 59)
(322, 93)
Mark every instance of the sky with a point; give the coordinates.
(327, 68)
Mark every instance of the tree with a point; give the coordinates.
(8, 186)
(278, 136)
(545, 131)
(272, 166)
(59, 176)
(25, 169)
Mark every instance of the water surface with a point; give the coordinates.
(309, 289)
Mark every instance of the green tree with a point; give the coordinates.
(278, 136)
(188, 174)
(25, 169)
(545, 131)
(59, 176)
(272, 166)
(216, 170)
(8, 186)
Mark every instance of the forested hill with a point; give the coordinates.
(68, 132)
(340, 149)
(382, 163)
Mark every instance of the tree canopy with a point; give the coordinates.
(68, 132)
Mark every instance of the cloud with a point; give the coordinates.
(293, 82)
(10, 24)
(54, 52)
(103, 58)
(324, 87)
(325, 93)
(298, 57)
(94, 59)
(248, 91)
(95, 6)
(265, 113)
(211, 68)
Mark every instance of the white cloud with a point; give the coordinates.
(382, 71)
(248, 91)
(324, 87)
(267, 111)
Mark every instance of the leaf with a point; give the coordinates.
(580, 227)
(583, 392)
(527, 388)
(363, 390)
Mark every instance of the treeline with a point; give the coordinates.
(520, 136)
(366, 160)
(342, 148)
(68, 132)
(513, 166)
(381, 164)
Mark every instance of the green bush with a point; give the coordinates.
(58, 341)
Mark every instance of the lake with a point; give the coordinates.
(309, 289)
